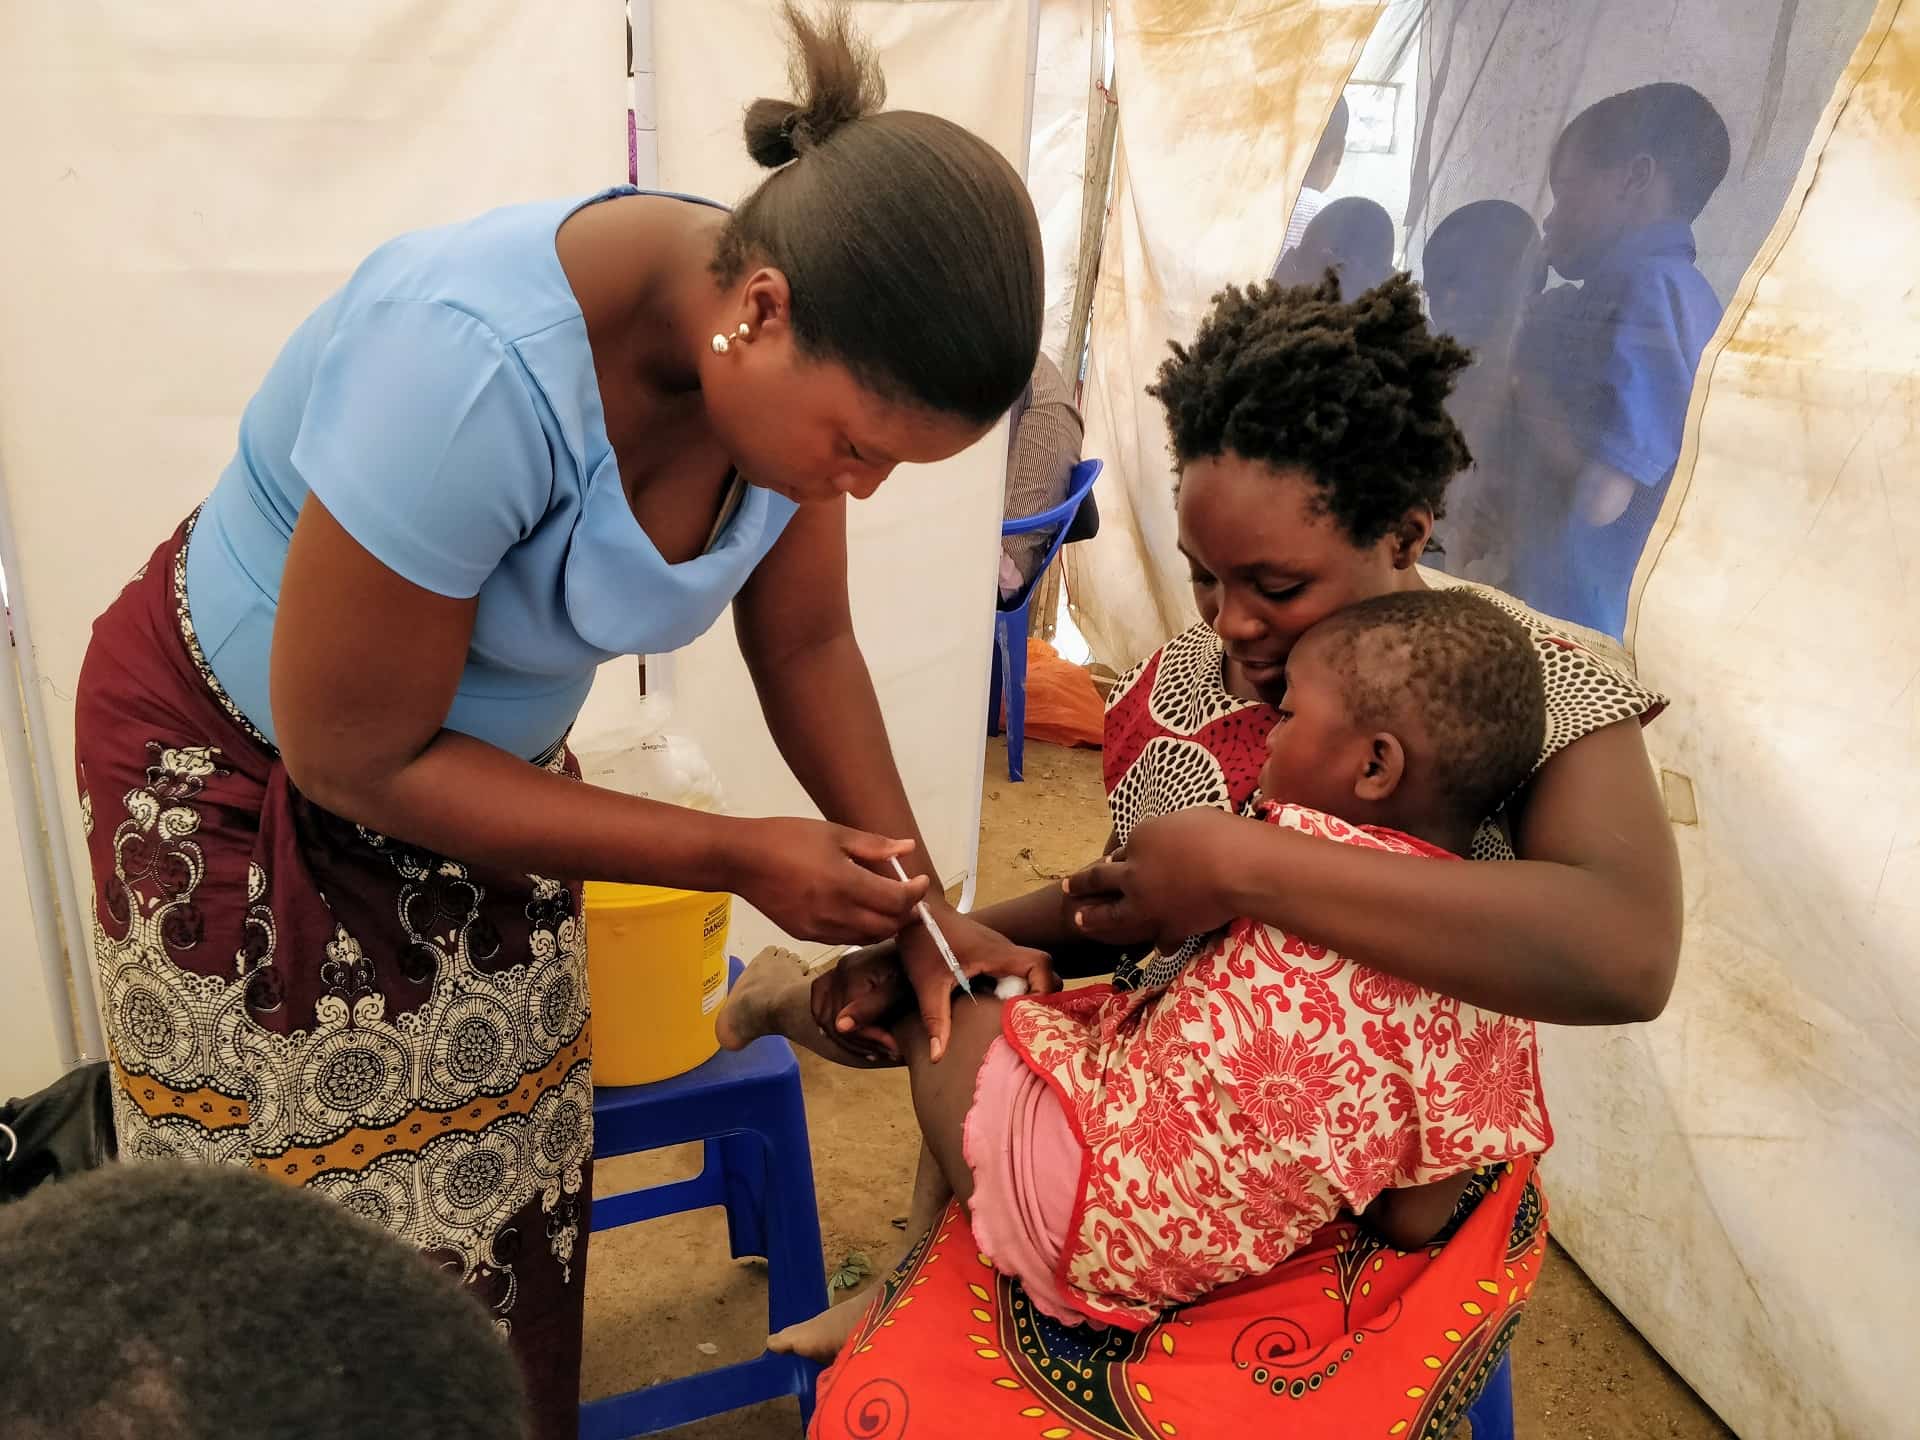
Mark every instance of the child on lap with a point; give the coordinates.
(1121, 1152)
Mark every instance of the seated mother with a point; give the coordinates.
(1314, 453)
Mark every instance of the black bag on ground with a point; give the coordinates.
(57, 1132)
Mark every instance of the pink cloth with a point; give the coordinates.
(1026, 1165)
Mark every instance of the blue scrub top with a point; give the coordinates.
(1620, 353)
(443, 405)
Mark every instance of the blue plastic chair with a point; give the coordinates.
(1010, 620)
(748, 1110)
(1491, 1416)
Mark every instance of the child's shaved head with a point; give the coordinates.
(1460, 671)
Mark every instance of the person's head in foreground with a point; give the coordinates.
(882, 289)
(201, 1302)
(1643, 157)
(1314, 450)
(1422, 712)
(1479, 267)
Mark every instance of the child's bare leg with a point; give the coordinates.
(942, 1095)
(773, 997)
(930, 1196)
(943, 1091)
(823, 1337)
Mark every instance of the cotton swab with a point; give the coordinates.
(939, 940)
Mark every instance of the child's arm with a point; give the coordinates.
(867, 990)
(1043, 920)
(867, 993)
(1583, 930)
(1627, 427)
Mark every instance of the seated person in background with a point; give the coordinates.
(1124, 1151)
(1353, 237)
(1044, 448)
(162, 1301)
(1322, 171)
(1603, 372)
(1481, 268)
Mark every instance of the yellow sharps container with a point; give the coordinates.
(657, 968)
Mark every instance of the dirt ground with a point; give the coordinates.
(663, 1299)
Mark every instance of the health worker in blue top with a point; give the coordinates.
(335, 832)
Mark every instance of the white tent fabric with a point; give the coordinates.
(923, 550)
(1737, 1176)
(1221, 105)
(1056, 153)
(30, 1051)
(186, 182)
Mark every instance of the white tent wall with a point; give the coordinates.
(923, 551)
(1056, 154)
(1739, 1177)
(30, 1050)
(186, 181)
(646, 137)
(1221, 105)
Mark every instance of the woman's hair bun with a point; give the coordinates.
(836, 79)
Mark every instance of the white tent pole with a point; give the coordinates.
(33, 860)
(1033, 75)
(52, 816)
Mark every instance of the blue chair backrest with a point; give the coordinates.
(1079, 483)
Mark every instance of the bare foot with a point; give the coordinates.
(822, 1338)
(752, 1007)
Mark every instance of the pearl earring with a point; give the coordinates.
(723, 343)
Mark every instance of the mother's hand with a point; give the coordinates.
(1168, 882)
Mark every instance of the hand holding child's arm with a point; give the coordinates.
(1584, 929)
(867, 992)
(1165, 884)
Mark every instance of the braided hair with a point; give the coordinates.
(1352, 392)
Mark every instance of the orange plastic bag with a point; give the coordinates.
(1063, 708)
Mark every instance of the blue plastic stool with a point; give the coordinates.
(748, 1110)
(1492, 1414)
(1009, 676)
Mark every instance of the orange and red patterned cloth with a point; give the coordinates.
(1347, 1339)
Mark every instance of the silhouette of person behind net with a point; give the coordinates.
(1353, 237)
(1481, 268)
